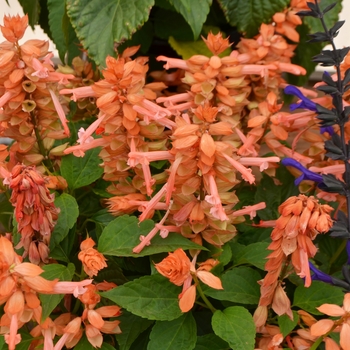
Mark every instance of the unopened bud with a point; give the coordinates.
(34, 256)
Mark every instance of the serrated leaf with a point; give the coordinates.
(317, 294)
(100, 25)
(194, 15)
(81, 171)
(180, 333)
(240, 286)
(51, 272)
(248, 15)
(67, 217)
(236, 326)
(152, 297)
(211, 342)
(286, 324)
(56, 12)
(131, 326)
(123, 234)
(32, 8)
(254, 254)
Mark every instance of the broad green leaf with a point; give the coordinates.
(123, 234)
(254, 254)
(211, 342)
(248, 15)
(286, 324)
(100, 25)
(236, 326)
(81, 171)
(152, 297)
(173, 335)
(194, 15)
(32, 8)
(317, 294)
(2, 342)
(6, 212)
(71, 41)
(59, 254)
(240, 286)
(103, 217)
(56, 12)
(25, 342)
(131, 326)
(84, 344)
(112, 273)
(66, 218)
(51, 272)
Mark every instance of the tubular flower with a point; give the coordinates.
(178, 268)
(92, 260)
(324, 326)
(302, 218)
(35, 210)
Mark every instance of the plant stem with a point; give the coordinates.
(202, 295)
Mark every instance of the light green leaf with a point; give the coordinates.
(56, 12)
(248, 15)
(254, 254)
(123, 234)
(236, 326)
(99, 25)
(317, 294)
(194, 15)
(81, 171)
(240, 286)
(211, 342)
(51, 272)
(286, 324)
(67, 217)
(2, 341)
(131, 326)
(152, 297)
(173, 335)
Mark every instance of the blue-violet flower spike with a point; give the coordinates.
(305, 102)
(319, 275)
(306, 173)
(328, 129)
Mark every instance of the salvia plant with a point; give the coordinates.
(176, 208)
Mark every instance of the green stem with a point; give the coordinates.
(320, 339)
(338, 252)
(202, 295)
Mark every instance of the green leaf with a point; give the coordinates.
(173, 335)
(152, 297)
(2, 341)
(100, 25)
(194, 15)
(84, 344)
(240, 286)
(81, 171)
(56, 12)
(59, 254)
(254, 254)
(32, 8)
(131, 326)
(286, 324)
(248, 15)
(6, 212)
(236, 326)
(71, 41)
(211, 342)
(123, 234)
(317, 294)
(51, 272)
(66, 219)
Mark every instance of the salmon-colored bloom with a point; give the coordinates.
(92, 260)
(14, 27)
(178, 268)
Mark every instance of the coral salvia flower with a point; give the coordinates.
(305, 173)
(92, 260)
(305, 103)
(178, 268)
(324, 326)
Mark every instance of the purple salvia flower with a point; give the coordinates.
(319, 275)
(305, 102)
(328, 129)
(306, 173)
